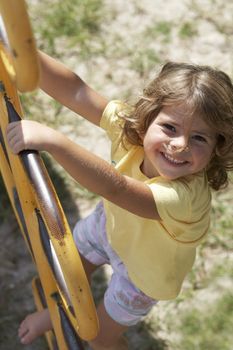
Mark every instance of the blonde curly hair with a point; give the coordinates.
(204, 90)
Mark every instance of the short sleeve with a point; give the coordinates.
(173, 203)
(112, 123)
(110, 120)
(184, 207)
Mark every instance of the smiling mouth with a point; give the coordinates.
(172, 160)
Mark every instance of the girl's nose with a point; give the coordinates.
(179, 144)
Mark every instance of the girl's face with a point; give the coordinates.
(177, 145)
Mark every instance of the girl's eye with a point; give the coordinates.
(199, 138)
(169, 127)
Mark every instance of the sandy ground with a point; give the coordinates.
(117, 74)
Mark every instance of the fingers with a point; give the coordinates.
(28, 134)
(14, 138)
(12, 129)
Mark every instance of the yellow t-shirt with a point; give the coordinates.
(157, 254)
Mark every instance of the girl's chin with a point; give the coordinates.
(172, 173)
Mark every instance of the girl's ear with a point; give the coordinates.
(219, 145)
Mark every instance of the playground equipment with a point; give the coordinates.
(62, 285)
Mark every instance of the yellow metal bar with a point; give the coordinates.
(25, 68)
(41, 218)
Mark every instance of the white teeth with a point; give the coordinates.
(175, 161)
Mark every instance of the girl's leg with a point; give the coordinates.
(110, 334)
(109, 337)
(89, 268)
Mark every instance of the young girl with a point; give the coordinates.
(167, 152)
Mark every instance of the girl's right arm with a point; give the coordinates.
(70, 90)
(89, 170)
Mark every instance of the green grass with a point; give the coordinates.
(160, 29)
(221, 220)
(67, 23)
(223, 268)
(187, 30)
(144, 60)
(208, 329)
(61, 26)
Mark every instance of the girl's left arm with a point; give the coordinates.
(89, 170)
